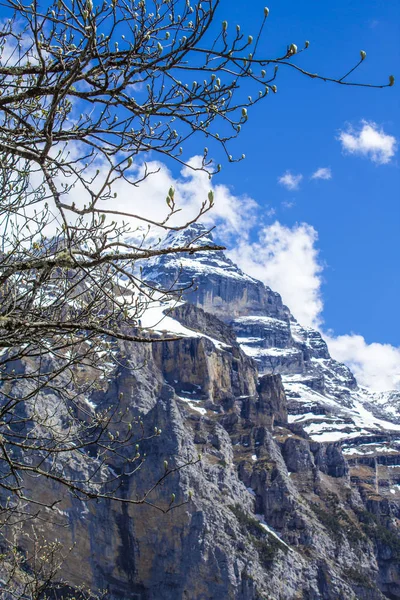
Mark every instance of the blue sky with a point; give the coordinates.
(357, 212)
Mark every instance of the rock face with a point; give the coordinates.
(297, 494)
(221, 286)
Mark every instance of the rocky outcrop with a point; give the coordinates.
(297, 494)
(217, 285)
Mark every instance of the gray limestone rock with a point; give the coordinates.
(297, 495)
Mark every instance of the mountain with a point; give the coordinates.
(297, 494)
(315, 384)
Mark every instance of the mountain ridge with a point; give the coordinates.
(291, 342)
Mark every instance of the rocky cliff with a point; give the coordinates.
(297, 494)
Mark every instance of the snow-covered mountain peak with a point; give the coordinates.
(195, 235)
(186, 267)
(323, 394)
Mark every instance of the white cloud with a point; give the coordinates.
(286, 259)
(369, 141)
(322, 173)
(233, 214)
(375, 365)
(290, 181)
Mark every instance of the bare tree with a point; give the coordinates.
(90, 92)
(29, 573)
